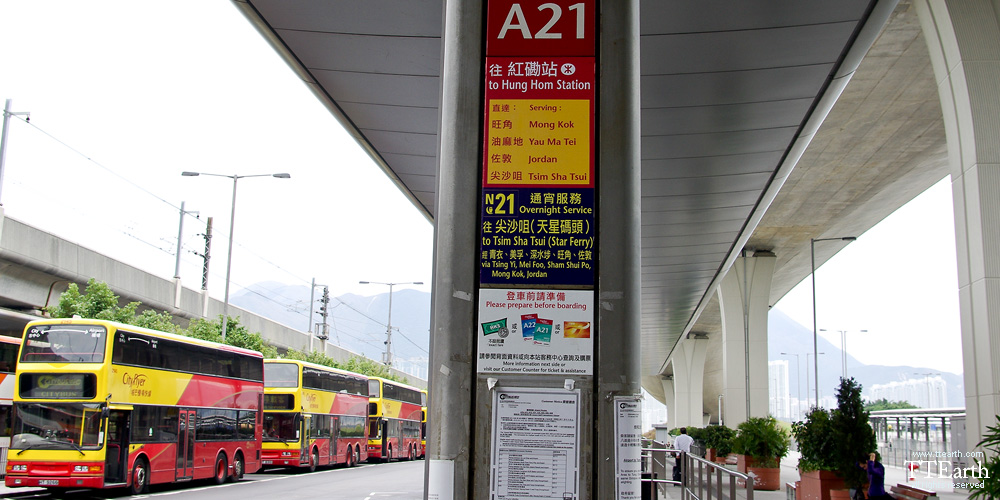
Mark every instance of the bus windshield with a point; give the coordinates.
(57, 426)
(281, 427)
(64, 343)
(281, 375)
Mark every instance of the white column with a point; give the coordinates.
(670, 398)
(743, 299)
(963, 38)
(688, 360)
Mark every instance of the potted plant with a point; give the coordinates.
(718, 441)
(761, 444)
(853, 435)
(817, 470)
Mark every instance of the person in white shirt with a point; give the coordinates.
(682, 444)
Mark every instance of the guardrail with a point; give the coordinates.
(704, 480)
(700, 479)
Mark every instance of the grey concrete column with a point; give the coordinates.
(963, 38)
(617, 358)
(743, 299)
(451, 370)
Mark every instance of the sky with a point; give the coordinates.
(125, 95)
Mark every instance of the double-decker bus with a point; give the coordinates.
(101, 404)
(8, 362)
(314, 415)
(394, 419)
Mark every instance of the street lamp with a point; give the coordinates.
(232, 220)
(812, 260)
(387, 357)
(807, 373)
(843, 347)
(927, 379)
(798, 384)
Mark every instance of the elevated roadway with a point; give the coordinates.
(37, 266)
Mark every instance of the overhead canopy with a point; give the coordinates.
(731, 95)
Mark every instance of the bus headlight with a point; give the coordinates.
(19, 468)
(81, 468)
(286, 453)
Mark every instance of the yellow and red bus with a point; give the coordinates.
(314, 415)
(101, 404)
(394, 419)
(8, 363)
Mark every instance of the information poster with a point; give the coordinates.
(528, 331)
(538, 232)
(628, 449)
(535, 449)
(538, 237)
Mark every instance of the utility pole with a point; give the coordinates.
(206, 257)
(324, 309)
(177, 263)
(7, 113)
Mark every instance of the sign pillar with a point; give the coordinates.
(535, 322)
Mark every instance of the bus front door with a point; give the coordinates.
(116, 453)
(185, 444)
(334, 433)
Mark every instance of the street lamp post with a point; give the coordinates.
(927, 380)
(387, 356)
(843, 347)
(812, 260)
(807, 373)
(798, 384)
(232, 220)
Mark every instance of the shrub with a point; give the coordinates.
(763, 440)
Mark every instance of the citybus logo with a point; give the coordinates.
(509, 396)
(137, 384)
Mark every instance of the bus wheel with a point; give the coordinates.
(313, 460)
(140, 477)
(238, 467)
(388, 454)
(350, 457)
(221, 469)
(357, 455)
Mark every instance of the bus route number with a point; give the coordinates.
(499, 203)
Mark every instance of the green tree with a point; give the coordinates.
(884, 404)
(153, 320)
(371, 368)
(236, 335)
(991, 478)
(853, 436)
(98, 302)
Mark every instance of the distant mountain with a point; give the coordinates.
(357, 323)
(787, 335)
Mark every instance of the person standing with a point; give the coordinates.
(682, 444)
(876, 478)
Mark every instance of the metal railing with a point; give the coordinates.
(700, 479)
(704, 480)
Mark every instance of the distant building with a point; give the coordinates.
(779, 400)
(930, 392)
